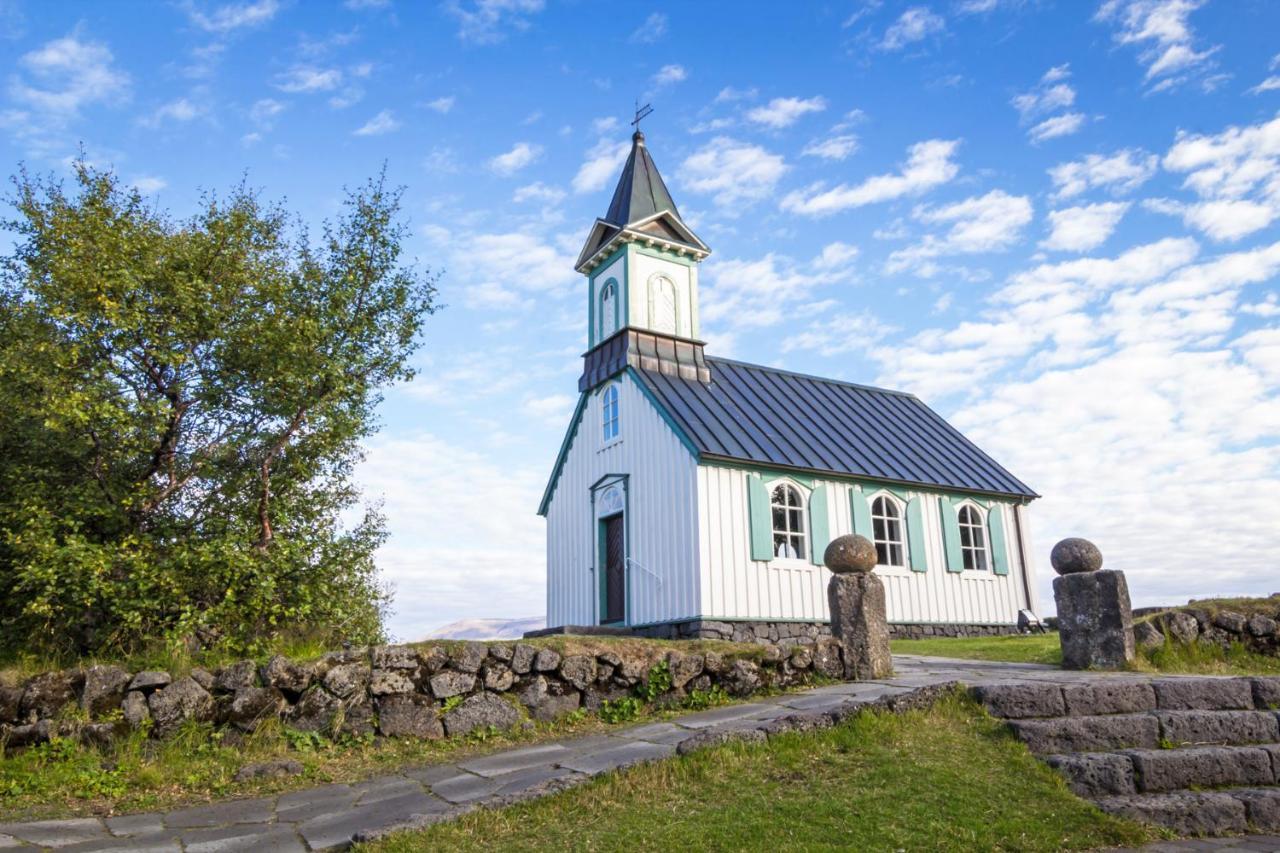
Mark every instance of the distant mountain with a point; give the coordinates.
(487, 629)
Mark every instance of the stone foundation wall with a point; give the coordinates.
(428, 691)
(792, 633)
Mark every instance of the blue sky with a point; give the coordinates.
(1056, 222)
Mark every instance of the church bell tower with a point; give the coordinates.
(641, 263)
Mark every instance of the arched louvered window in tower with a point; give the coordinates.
(608, 309)
(663, 315)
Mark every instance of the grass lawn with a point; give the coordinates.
(1044, 648)
(1031, 648)
(949, 778)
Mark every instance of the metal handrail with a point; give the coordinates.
(642, 568)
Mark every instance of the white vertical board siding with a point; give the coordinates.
(736, 587)
(661, 517)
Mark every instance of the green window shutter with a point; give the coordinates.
(761, 520)
(951, 535)
(819, 524)
(995, 528)
(915, 535)
(861, 513)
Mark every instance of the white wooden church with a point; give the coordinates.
(693, 495)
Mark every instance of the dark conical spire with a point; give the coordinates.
(641, 191)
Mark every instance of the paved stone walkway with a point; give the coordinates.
(330, 817)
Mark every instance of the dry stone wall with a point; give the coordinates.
(429, 691)
(1258, 632)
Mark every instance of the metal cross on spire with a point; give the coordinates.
(641, 112)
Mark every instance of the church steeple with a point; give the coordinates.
(641, 262)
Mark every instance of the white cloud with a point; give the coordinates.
(839, 334)
(234, 16)
(489, 21)
(442, 104)
(180, 111)
(149, 184)
(732, 172)
(1223, 220)
(784, 112)
(985, 223)
(383, 122)
(484, 557)
(752, 294)
(1162, 32)
(308, 79)
(832, 148)
(1052, 128)
(67, 74)
(1230, 164)
(668, 74)
(538, 192)
(553, 409)
(915, 24)
(652, 30)
(1050, 94)
(607, 124)
(1271, 83)
(521, 154)
(602, 164)
(929, 164)
(729, 94)
(264, 110)
(1122, 172)
(1080, 229)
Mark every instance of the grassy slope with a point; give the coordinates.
(950, 778)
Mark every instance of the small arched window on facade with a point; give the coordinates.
(886, 531)
(608, 309)
(788, 522)
(609, 413)
(663, 316)
(973, 538)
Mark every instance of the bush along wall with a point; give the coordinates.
(1258, 632)
(429, 691)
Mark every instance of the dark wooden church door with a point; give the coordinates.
(615, 574)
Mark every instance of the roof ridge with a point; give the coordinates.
(860, 386)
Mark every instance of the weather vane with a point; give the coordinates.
(641, 112)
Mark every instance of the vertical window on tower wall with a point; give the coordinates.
(609, 412)
(886, 531)
(788, 522)
(608, 309)
(973, 539)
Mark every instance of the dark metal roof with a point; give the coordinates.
(755, 414)
(640, 192)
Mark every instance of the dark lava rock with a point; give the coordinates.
(850, 554)
(1075, 555)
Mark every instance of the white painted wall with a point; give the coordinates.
(642, 268)
(662, 534)
(733, 586)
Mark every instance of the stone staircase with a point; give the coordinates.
(1200, 756)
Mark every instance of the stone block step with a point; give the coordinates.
(1228, 811)
(1152, 730)
(1020, 700)
(1152, 771)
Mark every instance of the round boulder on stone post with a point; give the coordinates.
(1075, 556)
(850, 554)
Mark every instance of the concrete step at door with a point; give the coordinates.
(1150, 730)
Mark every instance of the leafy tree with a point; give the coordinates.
(181, 407)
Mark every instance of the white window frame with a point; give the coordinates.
(610, 396)
(983, 546)
(612, 322)
(804, 533)
(901, 518)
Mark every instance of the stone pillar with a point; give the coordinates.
(1095, 621)
(856, 597)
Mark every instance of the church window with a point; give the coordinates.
(663, 316)
(608, 309)
(788, 522)
(609, 412)
(973, 539)
(886, 531)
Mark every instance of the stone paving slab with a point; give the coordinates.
(331, 816)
